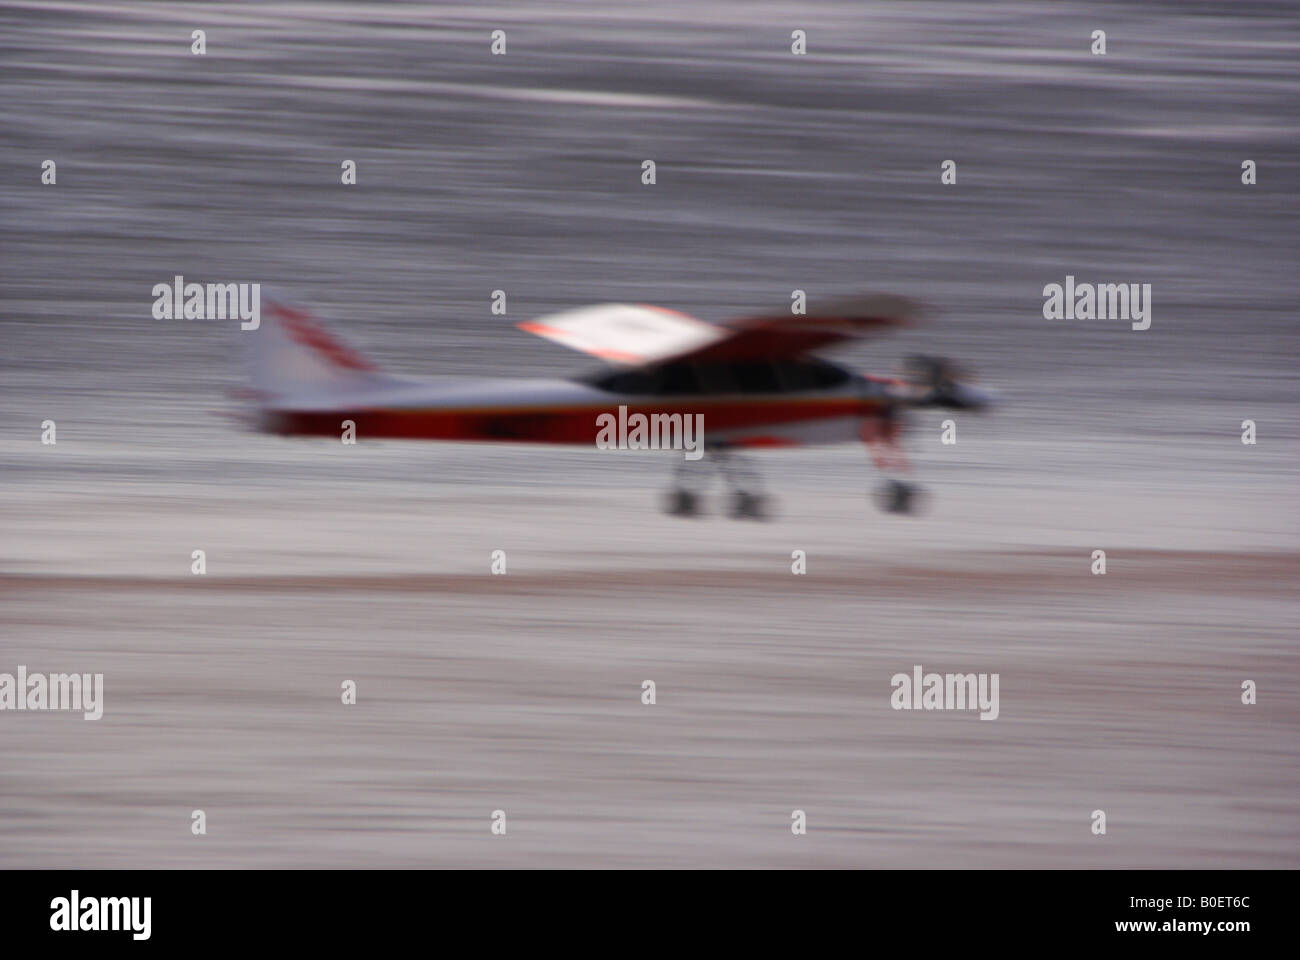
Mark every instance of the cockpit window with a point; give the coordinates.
(810, 374)
(678, 379)
(750, 376)
(641, 383)
(756, 378)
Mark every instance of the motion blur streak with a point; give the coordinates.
(775, 172)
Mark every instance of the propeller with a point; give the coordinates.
(939, 382)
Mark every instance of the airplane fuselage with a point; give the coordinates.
(566, 411)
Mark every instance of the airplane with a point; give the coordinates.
(754, 380)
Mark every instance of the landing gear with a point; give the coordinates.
(739, 476)
(883, 437)
(682, 503)
(684, 499)
(896, 496)
(748, 506)
(747, 502)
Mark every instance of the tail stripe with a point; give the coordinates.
(300, 328)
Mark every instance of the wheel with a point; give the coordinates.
(748, 506)
(895, 496)
(682, 503)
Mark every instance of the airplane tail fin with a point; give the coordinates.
(291, 353)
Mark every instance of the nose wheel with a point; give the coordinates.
(896, 496)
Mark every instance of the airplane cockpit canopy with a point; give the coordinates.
(682, 378)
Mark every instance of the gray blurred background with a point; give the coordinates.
(775, 172)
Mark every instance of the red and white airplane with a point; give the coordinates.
(754, 381)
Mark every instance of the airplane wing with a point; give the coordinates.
(626, 334)
(635, 335)
(782, 335)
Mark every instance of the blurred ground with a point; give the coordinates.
(522, 692)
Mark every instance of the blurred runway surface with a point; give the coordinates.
(522, 692)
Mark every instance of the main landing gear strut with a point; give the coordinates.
(744, 486)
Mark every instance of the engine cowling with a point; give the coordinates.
(939, 382)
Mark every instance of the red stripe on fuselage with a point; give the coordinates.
(575, 425)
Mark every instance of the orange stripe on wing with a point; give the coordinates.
(541, 329)
(616, 355)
